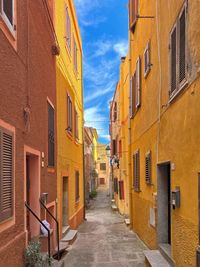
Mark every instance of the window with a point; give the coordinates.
(116, 185)
(50, 136)
(114, 150)
(68, 30)
(76, 125)
(138, 82)
(120, 148)
(132, 95)
(115, 112)
(136, 171)
(135, 89)
(7, 13)
(75, 57)
(103, 166)
(148, 165)
(6, 174)
(121, 190)
(133, 13)
(147, 60)
(178, 59)
(69, 114)
(77, 185)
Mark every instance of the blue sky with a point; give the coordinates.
(104, 30)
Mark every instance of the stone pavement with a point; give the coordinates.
(104, 240)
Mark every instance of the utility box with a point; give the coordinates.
(176, 198)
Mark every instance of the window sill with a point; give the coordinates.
(11, 36)
(7, 223)
(69, 134)
(68, 51)
(51, 169)
(177, 92)
(77, 201)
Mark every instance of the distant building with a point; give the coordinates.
(102, 165)
(90, 154)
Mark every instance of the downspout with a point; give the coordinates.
(160, 81)
(84, 211)
(129, 137)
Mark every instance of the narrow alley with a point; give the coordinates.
(104, 240)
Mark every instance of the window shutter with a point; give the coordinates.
(8, 9)
(50, 136)
(121, 190)
(182, 47)
(138, 82)
(69, 114)
(115, 112)
(116, 185)
(114, 147)
(133, 13)
(136, 170)
(77, 185)
(148, 166)
(147, 60)
(6, 175)
(173, 60)
(68, 29)
(133, 96)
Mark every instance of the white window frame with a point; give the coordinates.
(147, 64)
(12, 28)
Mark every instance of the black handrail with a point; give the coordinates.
(48, 231)
(57, 226)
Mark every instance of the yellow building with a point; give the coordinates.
(102, 166)
(119, 139)
(70, 202)
(164, 126)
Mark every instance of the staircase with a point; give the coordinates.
(159, 258)
(155, 259)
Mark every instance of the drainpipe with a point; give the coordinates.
(160, 80)
(129, 138)
(84, 212)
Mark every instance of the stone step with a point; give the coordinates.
(65, 229)
(62, 246)
(70, 237)
(127, 221)
(114, 207)
(44, 241)
(165, 250)
(155, 259)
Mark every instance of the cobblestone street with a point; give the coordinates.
(104, 240)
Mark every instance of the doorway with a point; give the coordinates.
(65, 201)
(32, 194)
(164, 203)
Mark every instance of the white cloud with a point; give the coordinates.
(100, 92)
(95, 118)
(121, 48)
(85, 11)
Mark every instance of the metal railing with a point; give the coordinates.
(48, 231)
(57, 227)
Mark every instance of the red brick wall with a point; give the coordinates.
(30, 70)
